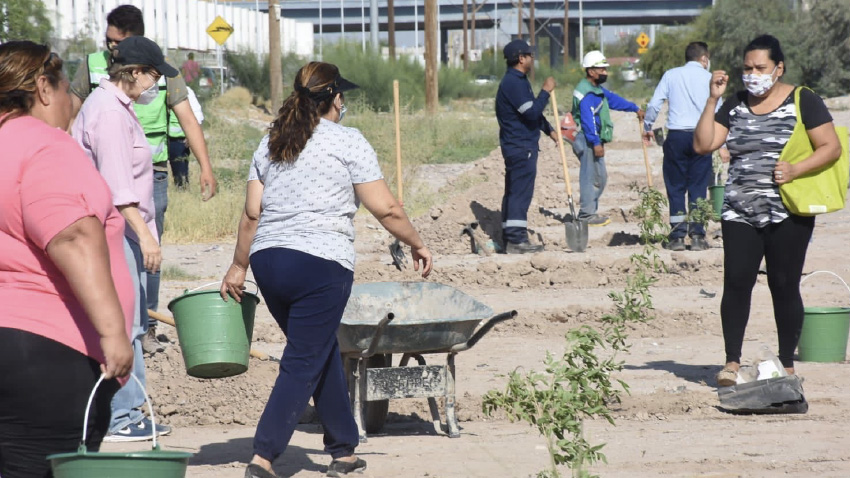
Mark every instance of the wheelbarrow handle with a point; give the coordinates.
(492, 321)
(376, 339)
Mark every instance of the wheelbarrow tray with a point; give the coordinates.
(429, 317)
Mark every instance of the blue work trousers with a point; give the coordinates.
(129, 399)
(685, 171)
(306, 295)
(593, 176)
(160, 203)
(520, 173)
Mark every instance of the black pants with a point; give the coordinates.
(44, 386)
(783, 247)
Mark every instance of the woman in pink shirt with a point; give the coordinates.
(108, 130)
(66, 297)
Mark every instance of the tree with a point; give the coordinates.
(826, 63)
(24, 20)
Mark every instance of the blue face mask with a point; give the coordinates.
(342, 111)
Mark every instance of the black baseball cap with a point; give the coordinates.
(516, 48)
(138, 50)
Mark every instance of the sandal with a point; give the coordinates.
(726, 377)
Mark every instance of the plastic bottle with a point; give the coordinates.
(747, 374)
(769, 365)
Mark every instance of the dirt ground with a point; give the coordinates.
(669, 425)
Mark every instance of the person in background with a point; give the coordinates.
(591, 111)
(521, 120)
(178, 148)
(107, 129)
(306, 181)
(686, 90)
(190, 68)
(66, 298)
(755, 125)
(123, 22)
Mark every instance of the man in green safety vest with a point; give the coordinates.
(122, 22)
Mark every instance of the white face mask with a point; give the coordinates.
(758, 84)
(149, 94)
(708, 65)
(342, 110)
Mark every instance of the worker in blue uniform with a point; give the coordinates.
(521, 120)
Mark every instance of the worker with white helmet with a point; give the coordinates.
(591, 105)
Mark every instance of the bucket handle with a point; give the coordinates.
(827, 272)
(257, 292)
(91, 397)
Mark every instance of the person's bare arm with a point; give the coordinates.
(378, 199)
(195, 138)
(234, 279)
(710, 135)
(151, 253)
(827, 150)
(81, 253)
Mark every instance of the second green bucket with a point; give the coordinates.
(215, 335)
(825, 333)
(716, 193)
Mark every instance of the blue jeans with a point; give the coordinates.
(160, 202)
(308, 308)
(593, 176)
(520, 173)
(178, 158)
(126, 402)
(685, 171)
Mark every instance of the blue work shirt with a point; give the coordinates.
(589, 107)
(686, 90)
(520, 114)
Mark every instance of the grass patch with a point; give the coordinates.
(172, 272)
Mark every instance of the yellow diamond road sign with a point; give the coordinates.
(219, 30)
(642, 40)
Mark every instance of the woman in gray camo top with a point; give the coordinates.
(755, 124)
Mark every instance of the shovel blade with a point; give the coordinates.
(397, 253)
(576, 232)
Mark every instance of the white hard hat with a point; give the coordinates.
(594, 59)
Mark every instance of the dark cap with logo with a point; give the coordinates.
(138, 50)
(516, 48)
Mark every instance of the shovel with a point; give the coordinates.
(397, 253)
(576, 229)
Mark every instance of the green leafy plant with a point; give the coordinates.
(578, 385)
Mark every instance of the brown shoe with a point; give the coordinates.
(726, 377)
(150, 344)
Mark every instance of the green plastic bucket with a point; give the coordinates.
(214, 335)
(824, 335)
(141, 464)
(716, 193)
(825, 330)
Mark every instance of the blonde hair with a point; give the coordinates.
(22, 63)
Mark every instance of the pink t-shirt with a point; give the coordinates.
(110, 134)
(47, 184)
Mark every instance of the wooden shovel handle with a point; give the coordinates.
(398, 142)
(645, 154)
(168, 320)
(561, 143)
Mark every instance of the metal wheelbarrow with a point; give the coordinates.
(412, 319)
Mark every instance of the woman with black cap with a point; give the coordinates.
(306, 181)
(110, 133)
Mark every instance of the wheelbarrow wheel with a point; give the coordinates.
(375, 412)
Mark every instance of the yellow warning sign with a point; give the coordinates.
(642, 50)
(642, 40)
(219, 30)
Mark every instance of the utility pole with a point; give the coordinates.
(275, 72)
(566, 33)
(391, 28)
(465, 39)
(474, 11)
(519, 19)
(432, 51)
(374, 25)
(532, 32)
